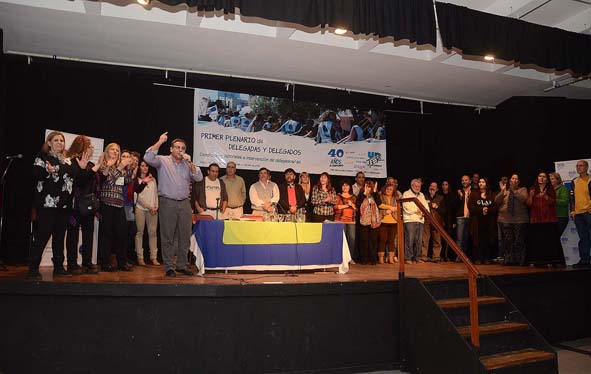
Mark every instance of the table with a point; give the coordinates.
(227, 245)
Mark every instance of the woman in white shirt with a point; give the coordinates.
(146, 212)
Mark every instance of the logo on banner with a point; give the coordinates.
(335, 155)
(373, 158)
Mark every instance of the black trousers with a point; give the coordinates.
(368, 244)
(112, 232)
(50, 222)
(86, 223)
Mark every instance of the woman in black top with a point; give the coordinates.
(54, 176)
(84, 185)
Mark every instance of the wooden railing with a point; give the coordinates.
(473, 273)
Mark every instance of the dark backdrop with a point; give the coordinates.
(122, 104)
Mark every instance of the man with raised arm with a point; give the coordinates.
(175, 174)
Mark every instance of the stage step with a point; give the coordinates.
(464, 302)
(438, 313)
(494, 328)
(515, 358)
(453, 288)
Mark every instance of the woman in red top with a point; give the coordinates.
(345, 211)
(544, 247)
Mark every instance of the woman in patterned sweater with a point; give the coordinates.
(54, 176)
(114, 175)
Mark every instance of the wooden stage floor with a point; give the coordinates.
(357, 273)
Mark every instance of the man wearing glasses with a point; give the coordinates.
(581, 205)
(176, 172)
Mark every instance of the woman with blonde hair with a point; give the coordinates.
(562, 201)
(389, 224)
(54, 176)
(304, 181)
(114, 175)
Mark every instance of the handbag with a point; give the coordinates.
(88, 204)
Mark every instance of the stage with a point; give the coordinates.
(357, 273)
(255, 322)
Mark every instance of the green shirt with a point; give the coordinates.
(561, 201)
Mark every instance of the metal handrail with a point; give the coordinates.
(473, 273)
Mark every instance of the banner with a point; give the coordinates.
(256, 131)
(570, 237)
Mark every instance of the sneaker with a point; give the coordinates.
(34, 274)
(170, 273)
(75, 269)
(61, 272)
(185, 272)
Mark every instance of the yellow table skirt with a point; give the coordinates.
(246, 232)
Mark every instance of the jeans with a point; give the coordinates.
(350, 231)
(463, 229)
(413, 240)
(583, 223)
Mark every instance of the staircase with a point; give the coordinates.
(435, 330)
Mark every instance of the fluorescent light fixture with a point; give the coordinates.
(143, 2)
(340, 31)
(489, 58)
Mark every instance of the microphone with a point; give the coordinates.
(20, 155)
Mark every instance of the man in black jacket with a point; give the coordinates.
(292, 198)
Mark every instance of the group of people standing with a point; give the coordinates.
(514, 225)
(519, 225)
(122, 192)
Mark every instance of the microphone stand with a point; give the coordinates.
(217, 207)
(289, 273)
(3, 184)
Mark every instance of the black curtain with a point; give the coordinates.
(401, 19)
(122, 104)
(509, 39)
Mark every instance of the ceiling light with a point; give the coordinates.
(340, 31)
(489, 58)
(143, 2)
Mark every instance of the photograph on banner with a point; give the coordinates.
(258, 131)
(98, 143)
(570, 238)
